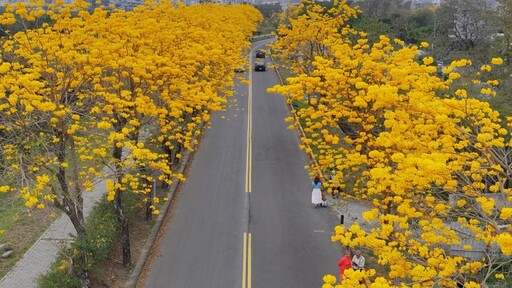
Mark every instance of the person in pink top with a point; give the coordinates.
(345, 263)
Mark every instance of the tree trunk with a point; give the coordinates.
(149, 210)
(118, 207)
(125, 232)
(76, 217)
(149, 202)
(125, 240)
(74, 210)
(149, 195)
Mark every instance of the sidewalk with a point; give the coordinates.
(39, 258)
(352, 211)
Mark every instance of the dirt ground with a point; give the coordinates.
(112, 274)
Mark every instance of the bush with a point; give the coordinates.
(57, 278)
(102, 230)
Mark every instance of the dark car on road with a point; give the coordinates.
(259, 65)
(260, 54)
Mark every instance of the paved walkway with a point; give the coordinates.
(352, 211)
(39, 258)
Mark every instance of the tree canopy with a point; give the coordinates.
(431, 157)
(104, 93)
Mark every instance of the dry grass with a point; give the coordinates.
(22, 227)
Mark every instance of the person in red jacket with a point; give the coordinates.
(345, 263)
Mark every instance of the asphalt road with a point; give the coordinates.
(244, 217)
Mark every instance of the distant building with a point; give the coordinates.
(126, 4)
(418, 4)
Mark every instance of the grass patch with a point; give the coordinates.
(10, 209)
(21, 227)
(285, 73)
(502, 103)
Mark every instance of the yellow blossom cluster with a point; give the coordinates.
(126, 89)
(429, 155)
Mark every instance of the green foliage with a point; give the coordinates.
(268, 10)
(265, 28)
(506, 270)
(102, 228)
(381, 9)
(374, 27)
(420, 26)
(412, 26)
(502, 102)
(270, 14)
(58, 278)
(299, 104)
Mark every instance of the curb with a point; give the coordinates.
(261, 37)
(141, 263)
(299, 129)
(301, 133)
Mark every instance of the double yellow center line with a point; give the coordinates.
(248, 160)
(246, 258)
(246, 254)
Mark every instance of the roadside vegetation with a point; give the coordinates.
(271, 13)
(425, 146)
(20, 228)
(90, 94)
(410, 109)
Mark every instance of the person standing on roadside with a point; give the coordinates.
(344, 263)
(358, 261)
(316, 194)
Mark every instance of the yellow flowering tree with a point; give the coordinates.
(429, 155)
(302, 34)
(160, 77)
(158, 88)
(46, 129)
(109, 88)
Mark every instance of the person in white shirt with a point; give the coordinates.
(358, 261)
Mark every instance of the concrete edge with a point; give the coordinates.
(141, 263)
(299, 128)
(261, 37)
